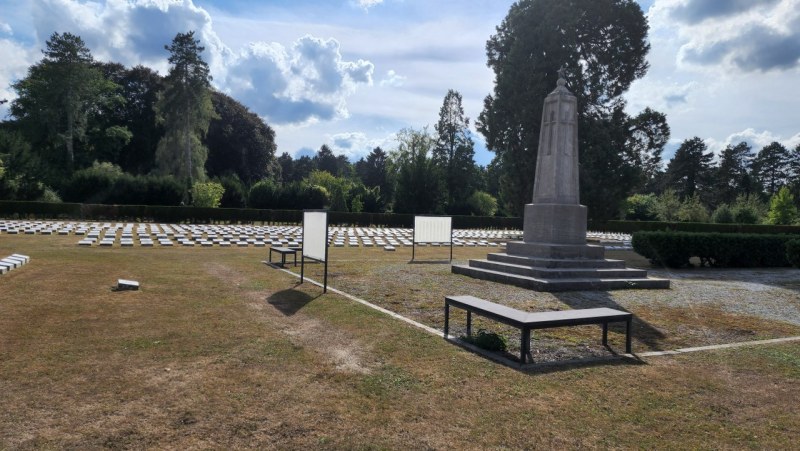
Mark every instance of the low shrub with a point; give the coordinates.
(793, 252)
(674, 249)
(489, 341)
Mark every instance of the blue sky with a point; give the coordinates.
(351, 73)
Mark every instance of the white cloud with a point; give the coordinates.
(16, 60)
(393, 79)
(757, 140)
(738, 35)
(6, 29)
(309, 81)
(663, 96)
(356, 144)
(305, 83)
(367, 4)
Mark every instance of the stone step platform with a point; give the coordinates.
(559, 273)
(525, 260)
(564, 284)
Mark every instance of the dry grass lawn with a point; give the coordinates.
(220, 351)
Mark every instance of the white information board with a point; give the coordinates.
(433, 229)
(315, 234)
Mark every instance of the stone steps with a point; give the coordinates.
(565, 284)
(559, 273)
(555, 262)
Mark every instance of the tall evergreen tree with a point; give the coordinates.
(732, 177)
(602, 44)
(287, 168)
(418, 188)
(454, 153)
(772, 167)
(690, 170)
(325, 160)
(649, 133)
(185, 108)
(794, 172)
(57, 97)
(373, 171)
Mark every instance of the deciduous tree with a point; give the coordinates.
(239, 142)
(58, 96)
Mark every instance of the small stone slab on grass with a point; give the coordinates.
(125, 285)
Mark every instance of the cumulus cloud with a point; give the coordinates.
(130, 32)
(356, 144)
(661, 95)
(696, 11)
(746, 35)
(755, 139)
(306, 82)
(393, 79)
(16, 59)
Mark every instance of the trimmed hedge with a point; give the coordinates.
(44, 210)
(793, 252)
(652, 226)
(674, 249)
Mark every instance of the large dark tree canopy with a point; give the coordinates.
(238, 141)
(602, 44)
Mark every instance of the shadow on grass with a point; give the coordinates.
(574, 364)
(641, 330)
(552, 366)
(429, 262)
(290, 301)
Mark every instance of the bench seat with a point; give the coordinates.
(284, 251)
(527, 321)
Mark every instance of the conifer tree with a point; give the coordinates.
(186, 110)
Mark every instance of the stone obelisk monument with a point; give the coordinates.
(554, 255)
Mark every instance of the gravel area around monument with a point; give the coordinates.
(705, 306)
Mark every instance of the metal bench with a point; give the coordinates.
(284, 251)
(527, 321)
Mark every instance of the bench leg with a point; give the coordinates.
(469, 323)
(628, 327)
(525, 347)
(605, 334)
(446, 319)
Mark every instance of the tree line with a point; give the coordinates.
(89, 131)
(742, 186)
(82, 130)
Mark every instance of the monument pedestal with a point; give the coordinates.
(554, 255)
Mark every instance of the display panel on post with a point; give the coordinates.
(432, 229)
(315, 241)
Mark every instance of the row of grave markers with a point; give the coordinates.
(13, 262)
(204, 235)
